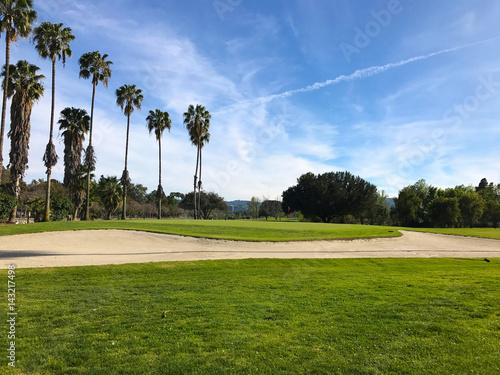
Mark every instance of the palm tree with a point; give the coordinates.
(16, 19)
(197, 121)
(109, 192)
(158, 121)
(127, 97)
(74, 124)
(52, 40)
(92, 64)
(25, 87)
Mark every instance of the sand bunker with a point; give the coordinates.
(100, 247)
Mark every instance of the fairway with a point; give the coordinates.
(243, 230)
(379, 316)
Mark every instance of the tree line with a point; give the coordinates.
(424, 205)
(343, 197)
(106, 201)
(22, 83)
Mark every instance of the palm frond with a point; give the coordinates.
(125, 180)
(159, 192)
(17, 18)
(128, 97)
(50, 157)
(52, 40)
(90, 159)
(157, 122)
(95, 66)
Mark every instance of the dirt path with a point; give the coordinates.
(99, 247)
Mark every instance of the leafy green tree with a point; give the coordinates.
(483, 184)
(270, 208)
(158, 121)
(25, 88)
(490, 192)
(138, 193)
(37, 208)
(95, 66)
(330, 195)
(492, 212)
(51, 41)
(209, 202)
(253, 207)
(472, 207)
(445, 212)
(61, 207)
(408, 205)
(109, 192)
(128, 97)
(16, 20)
(426, 193)
(197, 121)
(74, 124)
(173, 201)
(379, 211)
(7, 204)
(456, 192)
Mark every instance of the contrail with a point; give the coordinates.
(358, 74)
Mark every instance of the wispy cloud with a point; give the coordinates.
(357, 75)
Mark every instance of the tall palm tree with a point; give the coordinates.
(74, 124)
(197, 121)
(51, 41)
(127, 97)
(25, 87)
(158, 121)
(95, 66)
(16, 19)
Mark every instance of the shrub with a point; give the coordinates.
(61, 206)
(7, 204)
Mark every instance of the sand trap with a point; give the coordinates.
(99, 247)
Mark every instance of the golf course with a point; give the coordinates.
(378, 315)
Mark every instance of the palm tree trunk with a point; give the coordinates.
(199, 186)
(159, 179)
(4, 103)
(87, 197)
(196, 179)
(49, 170)
(13, 214)
(124, 208)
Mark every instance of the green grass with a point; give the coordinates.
(246, 230)
(468, 232)
(340, 316)
(229, 230)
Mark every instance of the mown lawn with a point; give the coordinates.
(469, 232)
(247, 230)
(337, 316)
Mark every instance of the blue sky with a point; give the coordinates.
(393, 91)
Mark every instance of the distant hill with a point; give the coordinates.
(237, 206)
(240, 206)
(391, 202)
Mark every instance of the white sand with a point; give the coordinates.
(99, 247)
